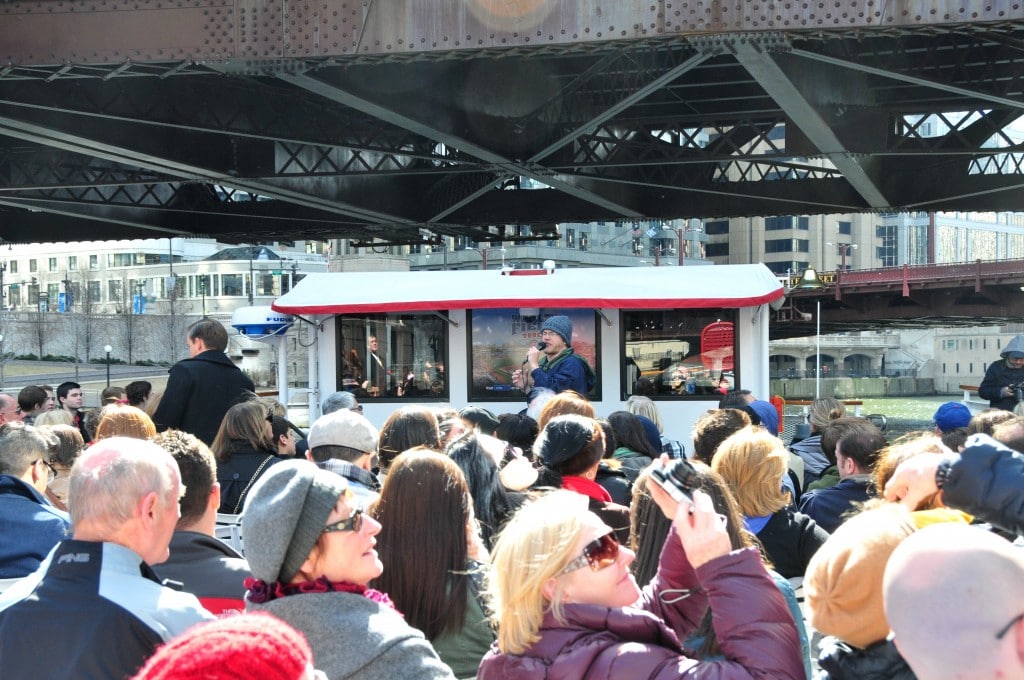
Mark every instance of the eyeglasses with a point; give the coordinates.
(358, 408)
(51, 470)
(353, 522)
(599, 553)
(1008, 627)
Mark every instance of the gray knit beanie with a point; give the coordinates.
(284, 516)
(561, 325)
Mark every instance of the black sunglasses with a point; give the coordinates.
(353, 522)
(1008, 627)
(599, 553)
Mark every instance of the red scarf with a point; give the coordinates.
(587, 487)
(261, 591)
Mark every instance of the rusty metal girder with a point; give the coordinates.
(105, 31)
(393, 119)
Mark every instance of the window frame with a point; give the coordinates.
(586, 334)
(706, 393)
(408, 320)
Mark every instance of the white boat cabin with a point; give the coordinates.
(680, 335)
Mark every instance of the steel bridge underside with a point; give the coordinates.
(400, 121)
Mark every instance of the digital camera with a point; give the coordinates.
(678, 479)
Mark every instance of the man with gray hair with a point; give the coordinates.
(29, 524)
(98, 585)
(338, 401)
(10, 412)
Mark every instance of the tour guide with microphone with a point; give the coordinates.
(553, 364)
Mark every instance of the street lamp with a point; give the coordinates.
(202, 289)
(810, 281)
(483, 254)
(108, 349)
(844, 249)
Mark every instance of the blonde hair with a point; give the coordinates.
(823, 411)
(752, 462)
(906, 447)
(533, 548)
(54, 417)
(121, 420)
(564, 403)
(643, 406)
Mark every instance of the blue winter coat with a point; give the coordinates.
(29, 527)
(569, 372)
(828, 506)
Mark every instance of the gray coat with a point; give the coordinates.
(355, 637)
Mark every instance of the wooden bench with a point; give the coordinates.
(806, 404)
(971, 397)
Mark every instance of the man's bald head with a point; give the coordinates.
(111, 476)
(949, 590)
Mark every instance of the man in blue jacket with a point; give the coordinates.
(856, 455)
(29, 524)
(554, 364)
(202, 388)
(97, 586)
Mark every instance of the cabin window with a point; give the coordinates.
(393, 356)
(679, 353)
(500, 338)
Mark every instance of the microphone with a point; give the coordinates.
(542, 345)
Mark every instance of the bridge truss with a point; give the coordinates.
(400, 121)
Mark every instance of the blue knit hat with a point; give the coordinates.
(651, 431)
(560, 325)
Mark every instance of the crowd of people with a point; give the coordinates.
(556, 542)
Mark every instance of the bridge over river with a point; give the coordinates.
(904, 297)
(402, 121)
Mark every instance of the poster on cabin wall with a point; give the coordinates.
(500, 338)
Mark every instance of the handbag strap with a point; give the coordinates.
(252, 479)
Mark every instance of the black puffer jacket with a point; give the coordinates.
(987, 481)
(880, 661)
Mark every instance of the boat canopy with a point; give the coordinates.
(598, 287)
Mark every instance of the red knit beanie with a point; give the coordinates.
(251, 645)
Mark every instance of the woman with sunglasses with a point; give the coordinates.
(568, 607)
(311, 550)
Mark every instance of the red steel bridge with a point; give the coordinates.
(396, 121)
(905, 297)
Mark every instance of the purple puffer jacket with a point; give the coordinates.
(755, 630)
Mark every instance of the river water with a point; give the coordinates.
(903, 414)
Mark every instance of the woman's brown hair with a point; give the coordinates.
(424, 510)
